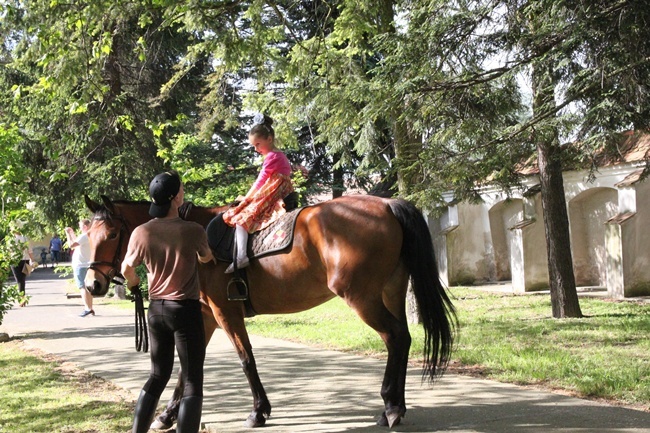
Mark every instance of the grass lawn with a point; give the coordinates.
(510, 338)
(42, 394)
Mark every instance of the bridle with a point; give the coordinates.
(113, 272)
(141, 334)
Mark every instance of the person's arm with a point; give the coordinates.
(204, 252)
(207, 257)
(71, 237)
(131, 261)
(268, 167)
(250, 192)
(131, 277)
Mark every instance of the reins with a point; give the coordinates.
(141, 334)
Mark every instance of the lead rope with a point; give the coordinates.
(141, 334)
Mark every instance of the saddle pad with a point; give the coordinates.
(274, 238)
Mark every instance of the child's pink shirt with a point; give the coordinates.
(274, 162)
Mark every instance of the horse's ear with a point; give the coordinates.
(93, 206)
(108, 203)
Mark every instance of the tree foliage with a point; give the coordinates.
(440, 96)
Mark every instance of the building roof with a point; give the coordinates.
(634, 146)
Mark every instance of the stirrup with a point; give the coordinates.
(240, 290)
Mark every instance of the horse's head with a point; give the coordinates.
(109, 237)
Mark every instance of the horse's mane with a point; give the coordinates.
(146, 203)
(130, 202)
(103, 213)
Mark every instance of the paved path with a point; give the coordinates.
(311, 390)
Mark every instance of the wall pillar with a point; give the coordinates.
(614, 248)
(440, 229)
(517, 260)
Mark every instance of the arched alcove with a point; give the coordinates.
(588, 213)
(503, 216)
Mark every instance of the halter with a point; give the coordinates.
(113, 271)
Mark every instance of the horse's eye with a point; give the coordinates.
(112, 236)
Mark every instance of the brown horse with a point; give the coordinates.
(363, 249)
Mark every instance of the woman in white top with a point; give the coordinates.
(80, 263)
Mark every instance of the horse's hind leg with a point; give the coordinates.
(395, 334)
(398, 343)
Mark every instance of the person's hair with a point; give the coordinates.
(262, 126)
(85, 222)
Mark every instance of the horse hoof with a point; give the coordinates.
(160, 425)
(393, 419)
(389, 420)
(255, 421)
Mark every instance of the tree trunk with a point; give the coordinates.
(564, 296)
(338, 181)
(406, 152)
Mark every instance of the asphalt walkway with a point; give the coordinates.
(311, 390)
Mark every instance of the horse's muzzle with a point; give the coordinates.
(97, 282)
(97, 288)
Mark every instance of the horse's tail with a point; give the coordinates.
(436, 310)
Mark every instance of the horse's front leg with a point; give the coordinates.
(261, 405)
(234, 326)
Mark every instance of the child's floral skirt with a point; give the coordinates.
(263, 207)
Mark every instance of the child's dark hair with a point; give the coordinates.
(262, 126)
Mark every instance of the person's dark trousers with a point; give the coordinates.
(178, 324)
(19, 276)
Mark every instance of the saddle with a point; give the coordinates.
(273, 239)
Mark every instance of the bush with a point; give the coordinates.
(8, 296)
(10, 253)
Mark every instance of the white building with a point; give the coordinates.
(503, 239)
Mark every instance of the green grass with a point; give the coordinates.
(44, 395)
(509, 338)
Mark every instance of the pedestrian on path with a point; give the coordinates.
(56, 245)
(80, 246)
(171, 249)
(21, 269)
